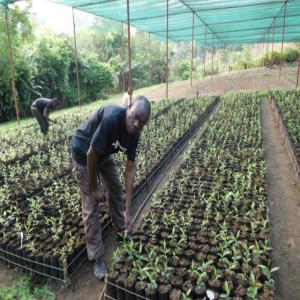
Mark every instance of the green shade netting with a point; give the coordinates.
(224, 21)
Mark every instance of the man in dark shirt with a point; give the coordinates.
(41, 108)
(111, 129)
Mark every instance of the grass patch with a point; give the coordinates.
(24, 290)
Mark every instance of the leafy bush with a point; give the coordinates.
(290, 55)
(96, 78)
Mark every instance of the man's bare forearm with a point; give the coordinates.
(129, 180)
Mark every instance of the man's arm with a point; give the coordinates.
(129, 179)
(46, 115)
(92, 163)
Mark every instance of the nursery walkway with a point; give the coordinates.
(284, 209)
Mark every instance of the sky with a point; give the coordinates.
(55, 16)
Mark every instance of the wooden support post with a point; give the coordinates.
(268, 44)
(129, 50)
(123, 62)
(167, 53)
(11, 66)
(212, 57)
(274, 28)
(192, 58)
(217, 59)
(204, 54)
(76, 58)
(149, 56)
(178, 55)
(283, 31)
(298, 73)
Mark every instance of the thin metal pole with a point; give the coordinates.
(192, 58)
(129, 51)
(167, 53)
(267, 54)
(298, 73)
(11, 65)
(268, 44)
(274, 28)
(262, 54)
(149, 45)
(204, 53)
(76, 58)
(217, 59)
(283, 31)
(212, 57)
(123, 63)
(178, 56)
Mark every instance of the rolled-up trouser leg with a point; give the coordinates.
(44, 124)
(90, 214)
(110, 177)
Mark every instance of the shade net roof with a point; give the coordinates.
(215, 21)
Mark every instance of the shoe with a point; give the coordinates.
(100, 269)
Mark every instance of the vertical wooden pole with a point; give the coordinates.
(192, 58)
(178, 55)
(212, 57)
(11, 66)
(204, 53)
(268, 44)
(274, 28)
(149, 45)
(76, 58)
(262, 54)
(167, 53)
(129, 50)
(283, 31)
(298, 73)
(217, 59)
(123, 62)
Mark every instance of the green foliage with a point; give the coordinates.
(20, 29)
(291, 55)
(25, 291)
(96, 78)
(53, 59)
(185, 70)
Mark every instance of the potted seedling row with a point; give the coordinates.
(206, 235)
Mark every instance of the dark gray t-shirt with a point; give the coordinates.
(42, 103)
(106, 132)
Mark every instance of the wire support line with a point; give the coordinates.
(29, 269)
(201, 20)
(125, 290)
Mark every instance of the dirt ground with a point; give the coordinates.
(284, 208)
(246, 80)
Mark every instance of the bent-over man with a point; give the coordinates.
(111, 129)
(41, 108)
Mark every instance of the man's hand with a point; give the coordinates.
(128, 223)
(98, 195)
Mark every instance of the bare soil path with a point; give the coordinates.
(284, 209)
(244, 80)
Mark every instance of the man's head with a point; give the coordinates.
(130, 90)
(56, 103)
(138, 114)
